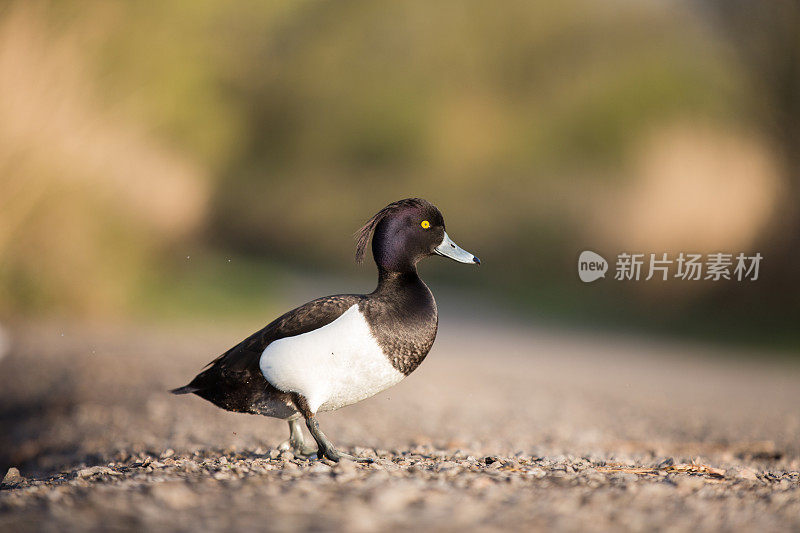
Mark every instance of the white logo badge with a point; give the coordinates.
(591, 266)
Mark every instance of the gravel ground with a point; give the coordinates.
(501, 427)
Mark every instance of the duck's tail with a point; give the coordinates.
(186, 389)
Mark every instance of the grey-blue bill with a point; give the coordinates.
(450, 249)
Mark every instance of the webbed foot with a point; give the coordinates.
(303, 451)
(296, 443)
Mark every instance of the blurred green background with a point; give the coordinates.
(183, 160)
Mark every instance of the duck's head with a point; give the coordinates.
(405, 232)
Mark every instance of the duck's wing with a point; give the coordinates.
(240, 363)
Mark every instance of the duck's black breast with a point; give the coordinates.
(403, 318)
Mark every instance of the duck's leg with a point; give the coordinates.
(296, 442)
(325, 446)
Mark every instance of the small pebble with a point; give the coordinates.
(345, 466)
(286, 456)
(13, 477)
(745, 473)
(94, 470)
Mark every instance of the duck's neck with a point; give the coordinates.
(392, 281)
(406, 293)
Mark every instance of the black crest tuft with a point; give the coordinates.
(367, 229)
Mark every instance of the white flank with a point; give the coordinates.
(336, 365)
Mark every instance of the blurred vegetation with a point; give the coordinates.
(269, 131)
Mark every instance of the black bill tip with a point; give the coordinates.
(476, 260)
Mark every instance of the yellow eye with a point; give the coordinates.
(425, 224)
